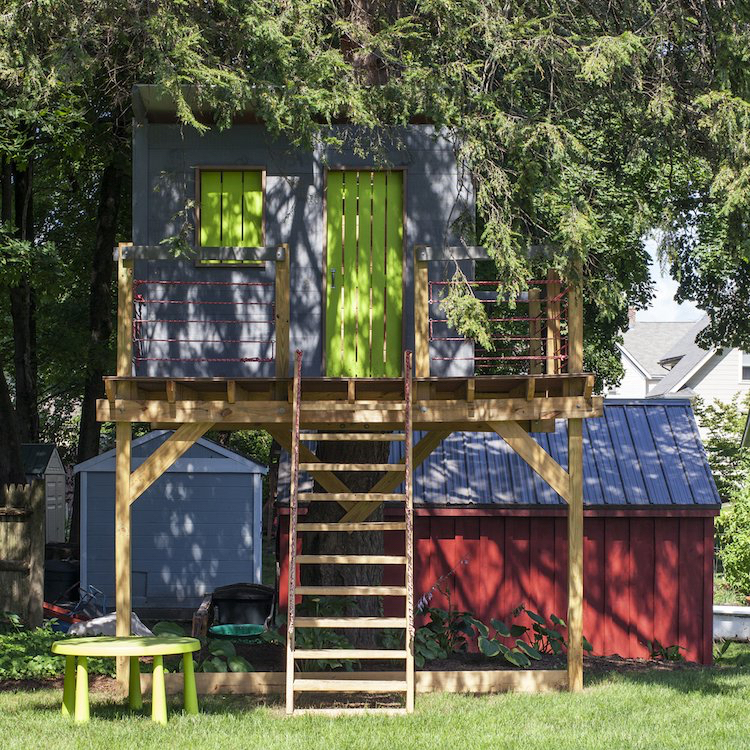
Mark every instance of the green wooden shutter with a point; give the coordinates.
(231, 208)
(364, 281)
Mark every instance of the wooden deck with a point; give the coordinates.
(467, 404)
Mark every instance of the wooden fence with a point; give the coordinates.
(22, 533)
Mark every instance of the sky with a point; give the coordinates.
(664, 308)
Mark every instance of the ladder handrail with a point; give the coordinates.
(293, 501)
(409, 540)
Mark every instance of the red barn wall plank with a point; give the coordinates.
(645, 577)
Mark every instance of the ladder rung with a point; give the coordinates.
(353, 559)
(351, 590)
(354, 436)
(319, 466)
(348, 653)
(357, 710)
(351, 497)
(350, 622)
(349, 686)
(353, 526)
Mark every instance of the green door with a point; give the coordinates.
(364, 273)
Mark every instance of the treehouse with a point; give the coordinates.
(303, 297)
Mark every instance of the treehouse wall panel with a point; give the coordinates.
(647, 575)
(187, 329)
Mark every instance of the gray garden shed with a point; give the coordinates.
(196, 528)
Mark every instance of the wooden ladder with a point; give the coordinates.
(341, 683)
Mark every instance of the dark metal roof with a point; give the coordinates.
(640, 453)
(35, 458)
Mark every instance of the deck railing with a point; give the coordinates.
(529, 334)
(175, 320)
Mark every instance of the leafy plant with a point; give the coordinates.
(665, 653)
(720, 649)
(26, 654)
(733, 529)
(448, 632)
(224, 658)
(530, 644)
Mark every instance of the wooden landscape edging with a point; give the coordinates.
(478, 681)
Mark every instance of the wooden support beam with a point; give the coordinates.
(123, 601)
(535, 333)
(553, 323)
(124, 313)
(421, 317)
(282, 313)
(231, 391)
(575, 322)
(575, 555)
(362, 511)
(171, 388)
(164, 456)
(534, 455)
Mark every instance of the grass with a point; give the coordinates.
(692, 708)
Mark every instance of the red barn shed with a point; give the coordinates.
(650, 503)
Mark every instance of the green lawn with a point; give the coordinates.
(707, 708)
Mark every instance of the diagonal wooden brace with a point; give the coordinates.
(535, 456)
(165, 455)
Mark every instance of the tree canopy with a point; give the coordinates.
(584, 126)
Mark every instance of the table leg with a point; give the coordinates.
(69, 687)
(82, 690)
(135, 700)
(189, 691)
(158, 692)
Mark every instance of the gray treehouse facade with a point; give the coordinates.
(348, 223)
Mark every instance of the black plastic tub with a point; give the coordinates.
(242, 603)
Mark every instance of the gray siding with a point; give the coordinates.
(165, 159)
(190, 534)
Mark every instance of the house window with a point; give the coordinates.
(745, 366)
(231, 208)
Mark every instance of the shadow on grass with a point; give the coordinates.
(715, 680)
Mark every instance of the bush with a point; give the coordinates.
(733, 529)
(26, 654)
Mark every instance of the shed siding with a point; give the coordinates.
(191, 533)
(165, 160)
(647, 576)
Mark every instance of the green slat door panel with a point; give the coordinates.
(334, 280)
(252, 209)
(231, 209)
(394, 239)
(210, 209)
(364, 279)
(350, 274)
(365, 247)
(378, 275)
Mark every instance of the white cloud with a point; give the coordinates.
(663, 306)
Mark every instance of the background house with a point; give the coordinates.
(662, 360)
(650, 501)
(195, 528)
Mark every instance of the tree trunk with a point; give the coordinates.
(23, 313)
(100, 319)
(11, 466)
(329, 543)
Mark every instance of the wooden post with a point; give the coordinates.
(535, 332)
(123, 601)
(37, 537)
(553, 323)
(123, 438)
(124, 313)
(421, 316)
(282, 311)
(575, 498)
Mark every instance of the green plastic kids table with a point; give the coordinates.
(76, 684)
